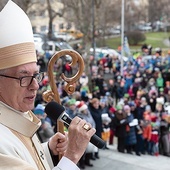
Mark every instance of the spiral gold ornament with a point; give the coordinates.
(69, 87)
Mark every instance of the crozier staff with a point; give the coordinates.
(19, 78)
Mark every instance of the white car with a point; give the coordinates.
(53, 46)
(103, 51)
(115, 31)
(64, 36)
(145, 28)
(38, 41)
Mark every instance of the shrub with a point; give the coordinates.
(135, 37)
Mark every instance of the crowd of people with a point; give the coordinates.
(134, 107)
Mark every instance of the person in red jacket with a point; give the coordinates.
(147, 129)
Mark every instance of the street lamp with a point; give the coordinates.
(93, 30)
(122, 37)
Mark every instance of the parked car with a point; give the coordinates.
(103, 51)
(39, 40)
(145, 28)
(114, 31)
(51, 47)
(63, 36)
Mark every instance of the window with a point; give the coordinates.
(61, 26)
(43, 28)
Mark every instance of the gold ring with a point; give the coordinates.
(86, 127)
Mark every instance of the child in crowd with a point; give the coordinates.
(106, 128)
(147, 129)
(154, 149)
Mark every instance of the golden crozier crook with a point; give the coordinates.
(48, 96)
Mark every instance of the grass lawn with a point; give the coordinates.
(155, 39)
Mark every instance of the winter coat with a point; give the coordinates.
(131, 134)
(120, 92)
(119, 122)
(140, 111)
(128, 83)
(96, 114)
(147, 131)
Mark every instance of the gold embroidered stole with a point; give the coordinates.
(31, 148)
(25, 128)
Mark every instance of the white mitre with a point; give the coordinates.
(17, 43)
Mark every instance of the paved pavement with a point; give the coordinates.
(113, 160)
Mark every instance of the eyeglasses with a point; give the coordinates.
(27, 80)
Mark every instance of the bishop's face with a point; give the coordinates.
(11, 92)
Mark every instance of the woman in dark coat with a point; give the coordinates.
(120, 122)
(131, 132)
(96, 114)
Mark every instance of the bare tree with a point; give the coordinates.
(107, 15)
(26, 4)
(80, 12)
(52, 14)
(134, 13)
(158, 9)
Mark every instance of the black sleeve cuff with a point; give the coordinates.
(55, 158)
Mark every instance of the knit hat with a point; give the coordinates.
(148, 108)
(72, 102)
(126, 95)
(119, 107)
(17, 42)
(103, 100)
(108, 93)
(126, 107)
(161, 89)
(81, 106)
(132, 103)
(83, 93)
(39, 109)
(153, 118)
(112, 110)
(96, 88)
(65, 100)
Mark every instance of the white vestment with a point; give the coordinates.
(20, 148)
